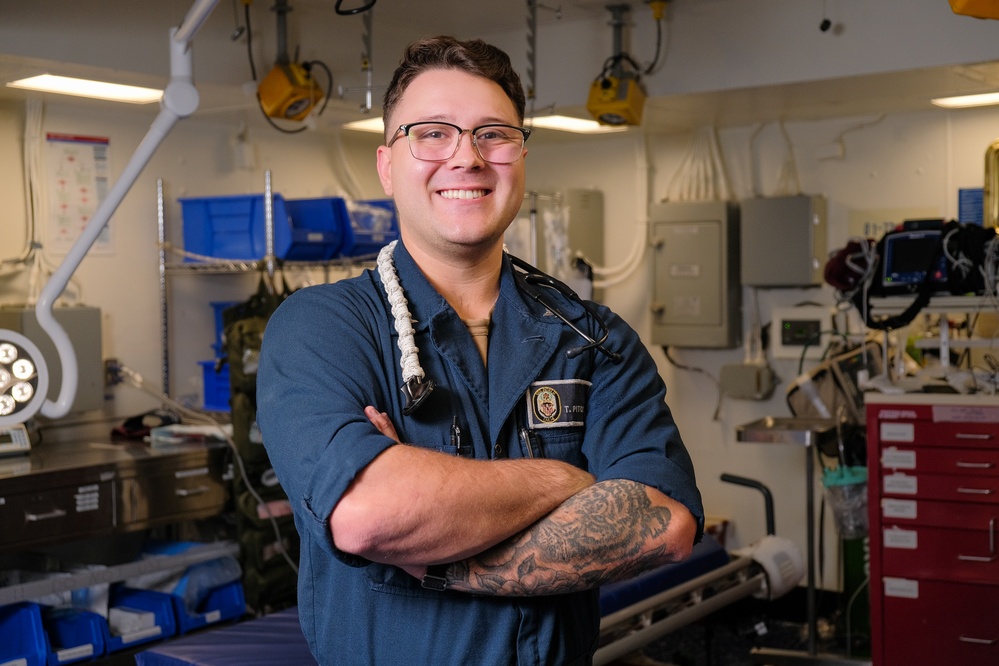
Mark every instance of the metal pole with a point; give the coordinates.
(617, 23)
(268, 224)
(164, 310)
(810, 528)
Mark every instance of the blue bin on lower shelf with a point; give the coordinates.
(22, 637)
(216, 386)
(163, 626)
(219, 308)
(73, 635)
(226, 602)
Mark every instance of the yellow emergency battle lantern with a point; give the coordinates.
(289, 92)
(616, 100)
(983, 9)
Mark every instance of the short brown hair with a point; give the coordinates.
(473, 56)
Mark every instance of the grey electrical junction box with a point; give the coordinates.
(696, 297)
(83, 325)
(783, 241)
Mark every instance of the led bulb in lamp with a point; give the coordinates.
(24, 379)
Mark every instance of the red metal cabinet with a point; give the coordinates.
(933, 489)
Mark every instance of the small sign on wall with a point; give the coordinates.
(78, 173)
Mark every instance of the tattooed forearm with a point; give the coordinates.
(605, 533)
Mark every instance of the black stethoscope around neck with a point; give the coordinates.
(535, 277)
(418, 389)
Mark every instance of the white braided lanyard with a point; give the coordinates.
(412, 372)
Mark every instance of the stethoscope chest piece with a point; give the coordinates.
(416, 392)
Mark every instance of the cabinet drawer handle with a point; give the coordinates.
(190, 492)
(37, 517)
(977, 641)
(991, 557)
(975, 491)
(976, 558)
(974, 465)
(972, 435)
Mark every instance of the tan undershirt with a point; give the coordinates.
(479, 328)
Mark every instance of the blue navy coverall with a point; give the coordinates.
(330, 350)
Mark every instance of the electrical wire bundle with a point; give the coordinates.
(701, 174)
(32, 259)
(990, 271)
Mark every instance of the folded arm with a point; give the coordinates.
(411, 507)
(511, 527)
(607, 532)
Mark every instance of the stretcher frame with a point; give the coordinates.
(628, 630)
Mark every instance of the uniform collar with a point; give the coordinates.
(529, 337)
(425, 301)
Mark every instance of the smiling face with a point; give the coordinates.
(462, 205)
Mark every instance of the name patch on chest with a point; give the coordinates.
(557, 403)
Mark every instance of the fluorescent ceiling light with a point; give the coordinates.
(965, 101)
(367, 125)
(578, 125)
(562, 123)
(84, 88)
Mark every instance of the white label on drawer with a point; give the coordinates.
(896, 508)
(901, 587)
(88, 499)
(897, 432)
(966, 413)
(896, 537)
(902, 484)
(898, 458)
(212, 616)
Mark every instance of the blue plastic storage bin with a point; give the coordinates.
(73, 635)
(373, 225)
(22, 637)
(156, 603)
(319, 229)
(233, 227)
(216, 386)
(225, 602)
(219, 308)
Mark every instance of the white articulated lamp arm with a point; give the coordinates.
(180, 100)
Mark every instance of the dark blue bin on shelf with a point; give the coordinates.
(225, 602)
(22, 637)
(156, 603)
(216, 386)
(74, 635)
(374, 224)
(233, 227)
(219, 308)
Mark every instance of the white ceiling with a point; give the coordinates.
(398, 21)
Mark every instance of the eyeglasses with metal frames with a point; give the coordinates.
(495, 143)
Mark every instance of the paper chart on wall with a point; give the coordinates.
(78, 174)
